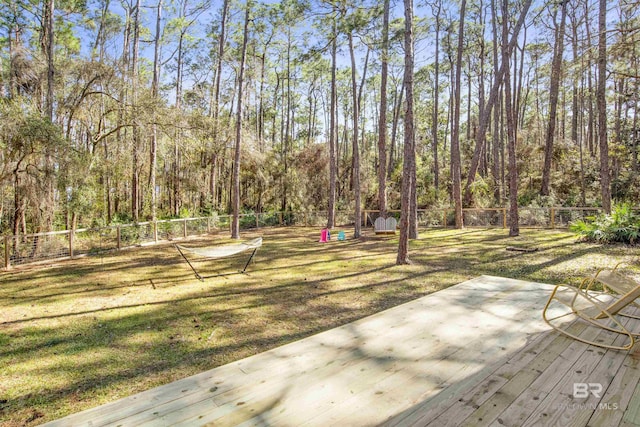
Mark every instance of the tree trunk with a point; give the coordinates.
(235, 223)
(520, 112)
(591, 120)
(310, 99)
(634, 139)
(382, 121)
(514, 227)
(18, 204)
(49, 49)
(356, 151)
(124, 94)
(556, 71)
(49, 46)
(260, 119)
(216, 103)
(153, 158)
(605, 180)
(135, 172)
(14, 42)
(481, 90)
(177, 193)
(469, 84)
(99, 49)
(409, 147)
(456, 179)
(413, 199)
(333, 169)
(576, 136)
(436, 9)
(495, 134)
(394, 129)
(483, 121)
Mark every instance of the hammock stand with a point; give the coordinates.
(221, 252)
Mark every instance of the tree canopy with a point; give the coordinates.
(126, 111)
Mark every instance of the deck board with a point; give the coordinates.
(632, 415)
(477, 353)
(517, 372)
(513, 404)
(591, 367)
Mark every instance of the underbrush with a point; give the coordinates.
(621, 226)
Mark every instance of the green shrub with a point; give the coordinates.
(621, 226)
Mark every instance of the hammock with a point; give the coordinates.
(215, 252)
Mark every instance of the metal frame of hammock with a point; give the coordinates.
(221, 251)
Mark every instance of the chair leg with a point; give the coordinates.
(622, 330)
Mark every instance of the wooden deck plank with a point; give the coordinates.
(578, 412)
(245, 373)
(632, 415)
(477, 353)
(466, 362)
(402, 388)
(473, 396)
(512, 403)
(397, 390)
(466, 396)
(560, 407)
(624, 390)
(551, 395)
(249, 387)
(234, 379)
(207, 384)
(315, 395)
(619, 397)
(488, 408)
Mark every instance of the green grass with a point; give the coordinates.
(76, 334)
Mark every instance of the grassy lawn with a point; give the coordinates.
(80, 333)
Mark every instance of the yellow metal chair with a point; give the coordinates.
(600, 309)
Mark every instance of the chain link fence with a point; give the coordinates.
(30, 248)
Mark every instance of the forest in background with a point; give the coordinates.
(117, 111)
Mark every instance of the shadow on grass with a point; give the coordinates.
(91, 353)
(98, 328)
(262, 291)
(202, 265)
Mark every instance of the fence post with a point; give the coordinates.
(553, 218)
(6, 252)
(304, 218)
(280, 218)
(208, 224)
(444, 218)
(119, 237)
(155, 231)
(71, 234)
(504, 217)
(184, 228)
(257, 220)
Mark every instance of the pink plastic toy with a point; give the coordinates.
(325, 235)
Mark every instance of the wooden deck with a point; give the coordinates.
(474, 354)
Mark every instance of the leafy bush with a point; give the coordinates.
(622, 226)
